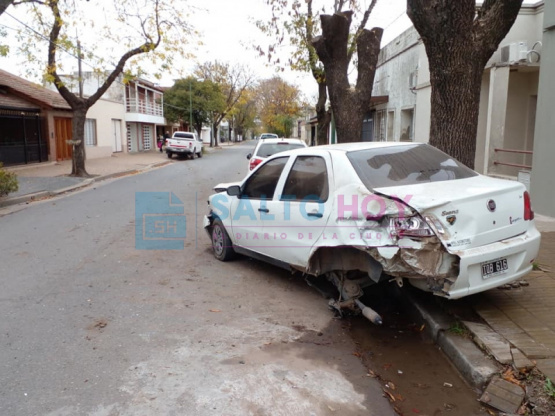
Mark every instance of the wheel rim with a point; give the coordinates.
(218, 240)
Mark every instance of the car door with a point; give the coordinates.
(298, 214)
(249, 210)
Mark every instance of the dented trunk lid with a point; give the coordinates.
(473, 212)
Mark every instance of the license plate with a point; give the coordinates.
(494, 268)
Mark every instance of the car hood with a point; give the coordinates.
(464, 209)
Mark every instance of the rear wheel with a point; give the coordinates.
(199, 154)
(169, 155)
(221, 243)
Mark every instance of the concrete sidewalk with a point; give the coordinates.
(52, 178)
(524, 314)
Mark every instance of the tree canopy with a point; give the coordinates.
(233, 81)
(193, 98)
(130, 29)
(279, 104)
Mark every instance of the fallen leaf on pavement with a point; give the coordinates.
(215, 310)
(390, 396)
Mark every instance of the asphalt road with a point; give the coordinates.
(93, 326)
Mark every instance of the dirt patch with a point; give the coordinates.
(540, 394)
(416, 377)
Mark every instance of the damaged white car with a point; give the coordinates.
(362, 213)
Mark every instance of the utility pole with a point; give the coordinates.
(190, 106)
(80, 72)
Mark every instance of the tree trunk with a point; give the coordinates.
(215, 128)
(455, 103)
(323, 115)
(457, 55)
(349, 105)
(4, 4)
(78, 137)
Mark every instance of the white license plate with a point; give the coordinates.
(494, 268)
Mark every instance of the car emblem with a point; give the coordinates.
(451, 219)
(491, 205)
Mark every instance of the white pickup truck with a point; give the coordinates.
(184, 143)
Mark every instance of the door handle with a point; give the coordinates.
(315, 214)
(263, 210)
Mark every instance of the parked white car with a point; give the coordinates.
(269, 136)
(365, 213)
(268, 147)
(184, 143)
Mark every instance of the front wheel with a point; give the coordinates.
(221, 243)
(199, 154)
(169, 155)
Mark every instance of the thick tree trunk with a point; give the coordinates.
(455, 103)
(457, 54)
(348, 104)
(323, 115)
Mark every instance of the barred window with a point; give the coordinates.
(90, 132)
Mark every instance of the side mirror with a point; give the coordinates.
(249, 155)
(234, 190)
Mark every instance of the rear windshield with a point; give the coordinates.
(406, 165)
(269, 136)
(268, 149)
(183, 136)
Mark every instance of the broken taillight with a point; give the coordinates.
(409, 227)
(254, 163)
(528, 212)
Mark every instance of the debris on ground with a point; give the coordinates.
(503, 395)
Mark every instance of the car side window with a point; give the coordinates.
(262, 183)
(307, 181)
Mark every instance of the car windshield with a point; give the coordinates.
(268, 149)
(406, 165)
(269, 136)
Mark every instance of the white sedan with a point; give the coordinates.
(363, 213)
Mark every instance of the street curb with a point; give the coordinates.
(475, 366)
(44, 194)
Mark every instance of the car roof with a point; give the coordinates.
(273, 140)
(351, 147)
(345, 147)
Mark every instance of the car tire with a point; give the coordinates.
(199, 154)
(221, 243)
(169, 155)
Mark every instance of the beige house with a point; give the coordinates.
(127, 118)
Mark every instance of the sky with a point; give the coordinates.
(228, 33)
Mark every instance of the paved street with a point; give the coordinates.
(92, 326)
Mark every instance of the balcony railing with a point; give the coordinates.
(144, 107)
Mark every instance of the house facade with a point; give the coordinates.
(127, 118)
(34, 122)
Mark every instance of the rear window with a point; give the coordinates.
(183, 136)
(406, 165)
(269, 136)
(268, 149)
